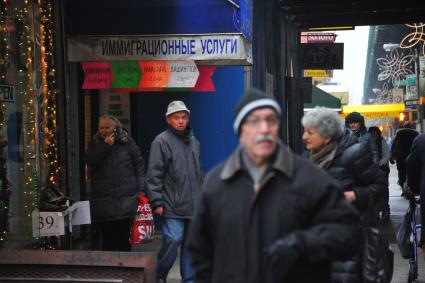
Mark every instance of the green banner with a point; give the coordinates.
(127, 74)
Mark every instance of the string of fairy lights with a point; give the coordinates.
(49, 90)
(25, 66)
(34, 24)
(4, 63)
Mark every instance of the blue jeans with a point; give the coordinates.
(175, 232)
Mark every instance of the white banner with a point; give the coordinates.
(183, 74)
(216, 49)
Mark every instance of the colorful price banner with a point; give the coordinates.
(154, 73)
(131, 76)
(98, 75)
(126, 74)
(183, 74)
(205, 82)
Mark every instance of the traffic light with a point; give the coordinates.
(402, 116)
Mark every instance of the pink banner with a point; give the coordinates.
(98, 75)
(205, 82)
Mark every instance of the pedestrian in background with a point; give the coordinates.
(174, 181)
(400, 149)
(337, 151)
(267, 215)
(118, 177)
(383, 206)
(356, 123)
(415, 173)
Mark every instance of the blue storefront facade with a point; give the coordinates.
(211, 111)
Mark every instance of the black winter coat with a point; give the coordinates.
(233, 225)
(415, 173)
(366, 139)
(354, 169)
(118, 177)
(402, 142)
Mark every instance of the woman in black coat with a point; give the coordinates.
(339, 152)
(118, 177)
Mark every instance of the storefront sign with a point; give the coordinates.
(126, 74)
(321, 38)
(375, 111)
(312, 37)
(183, 74)
(218, 49)
(7, 93)
(98, 75)
(411, 93)
(154, 73)
(318, 73)
(409, 80)
(322, 56)
(47, 224)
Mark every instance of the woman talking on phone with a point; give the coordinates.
(118, 176)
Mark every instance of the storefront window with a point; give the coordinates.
(28, 149)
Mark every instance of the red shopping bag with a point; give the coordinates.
(142, 230)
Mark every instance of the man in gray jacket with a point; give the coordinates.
(174, 181)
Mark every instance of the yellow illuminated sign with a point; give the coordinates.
(318, 73)
(374, 111)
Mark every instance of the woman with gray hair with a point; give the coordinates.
(118, 178)
(338, 151)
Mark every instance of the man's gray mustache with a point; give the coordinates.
(262, 138)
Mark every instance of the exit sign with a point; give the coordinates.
(7, 93)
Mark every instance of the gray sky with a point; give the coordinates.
(355, 52)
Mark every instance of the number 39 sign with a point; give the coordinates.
(47, 224)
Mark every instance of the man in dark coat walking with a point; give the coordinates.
(174, 181)
(400, 149)
(267, 215)
(356, 123)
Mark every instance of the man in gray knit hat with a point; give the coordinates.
(174, 181)
(265, 214)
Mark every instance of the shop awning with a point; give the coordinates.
(375, 111)
(322, 98)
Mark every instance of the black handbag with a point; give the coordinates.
(404, 231)
(378, 258)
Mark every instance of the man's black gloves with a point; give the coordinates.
(283, 253)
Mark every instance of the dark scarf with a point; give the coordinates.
(185, 135)
(324, 157)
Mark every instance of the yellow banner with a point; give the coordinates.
(373, 108)
(318, 73)
(375, 115)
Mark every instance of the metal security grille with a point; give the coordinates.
(75, 274)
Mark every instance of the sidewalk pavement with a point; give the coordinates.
(398, 206)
